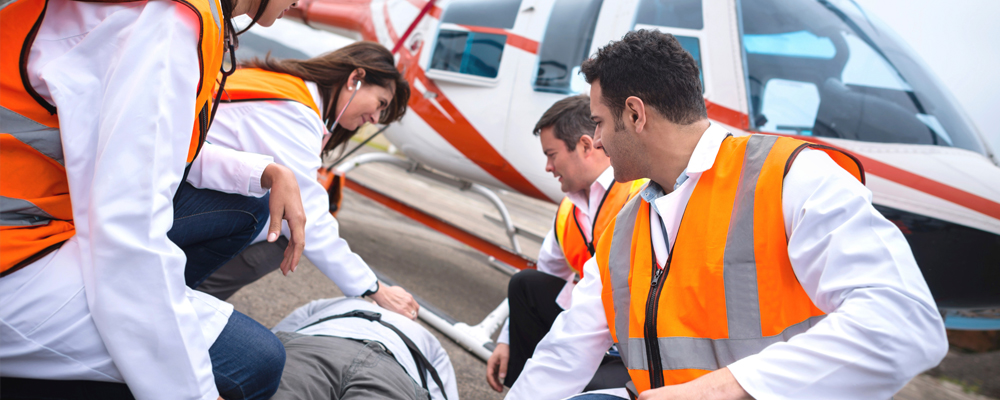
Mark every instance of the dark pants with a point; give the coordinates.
(247, 360)
(253, 263)
(213, 227)
(533, 308)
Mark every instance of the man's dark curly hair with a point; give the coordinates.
(652, 66)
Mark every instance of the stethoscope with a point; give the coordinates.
(328, 134)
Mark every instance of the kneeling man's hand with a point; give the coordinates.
(496, 366)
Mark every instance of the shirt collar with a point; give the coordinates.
(603, 182)
(702, 159)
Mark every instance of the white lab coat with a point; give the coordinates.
(111, 303)
(292, 133)
(551, 259)
(882, 327)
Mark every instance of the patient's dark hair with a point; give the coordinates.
(331, 71)
(652, 66)
(569, 119)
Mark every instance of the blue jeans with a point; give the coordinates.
(247, 360)
(213, 227)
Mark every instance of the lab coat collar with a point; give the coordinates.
(599, 186)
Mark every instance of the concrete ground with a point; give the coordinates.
(458, 280)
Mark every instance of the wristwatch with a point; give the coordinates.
(372, 290)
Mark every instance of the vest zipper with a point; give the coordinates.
(655, 363)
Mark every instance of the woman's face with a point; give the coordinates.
(367, 105)
(275, 9)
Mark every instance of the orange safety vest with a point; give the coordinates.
(728, 289)
(575, 247)
(254, 84)
(36, 214)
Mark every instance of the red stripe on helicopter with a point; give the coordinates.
(435, 11)
(513, 39)
(913, 181)
(513, 259)
(895, 174)
(453, 126)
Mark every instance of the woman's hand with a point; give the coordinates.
(286, 204)
(396, 299)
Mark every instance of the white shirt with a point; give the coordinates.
(551, 259)
(882, 327)
(360, 329)
(123, 78)
(292, 133)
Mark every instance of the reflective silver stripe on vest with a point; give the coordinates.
(739, 276)
(40, 137)
(620, 264)
(740, 266)
(707, 354)
(214, 6)
(17, 212)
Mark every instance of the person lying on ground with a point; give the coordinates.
(352, 349)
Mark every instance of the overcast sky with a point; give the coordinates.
(960, 41)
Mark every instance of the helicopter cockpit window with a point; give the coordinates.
(825, 68)
(565, 45)
(460, 49)
(667, 15)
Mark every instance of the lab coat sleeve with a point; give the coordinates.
(141, 109)
(291, 135)
(442, 363)
(229, 171)
(882, 326)
(551, 259)
(568, 356)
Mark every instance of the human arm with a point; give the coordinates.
(285, 204)
(568, 356)
(882, 326)
(291, 133)
(229, 171)
(125, 155)
(238, 172)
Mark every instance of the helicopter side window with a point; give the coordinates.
(684, 14)
(565, 45)
(460, 49)
(814, 69)
(467, 52)
(681, 18)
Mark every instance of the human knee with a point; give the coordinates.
(522, 282)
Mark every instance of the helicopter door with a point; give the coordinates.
(564, 30)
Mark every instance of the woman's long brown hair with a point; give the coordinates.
(331, 71)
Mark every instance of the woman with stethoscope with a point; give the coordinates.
(295, 110)
(93, 291)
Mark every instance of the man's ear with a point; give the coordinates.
(586, 143)
(635, 113)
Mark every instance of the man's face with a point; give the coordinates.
(565, 164)
(620, 145)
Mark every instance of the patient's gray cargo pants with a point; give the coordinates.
(326, 367)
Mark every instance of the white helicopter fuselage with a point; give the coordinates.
(483, 72)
